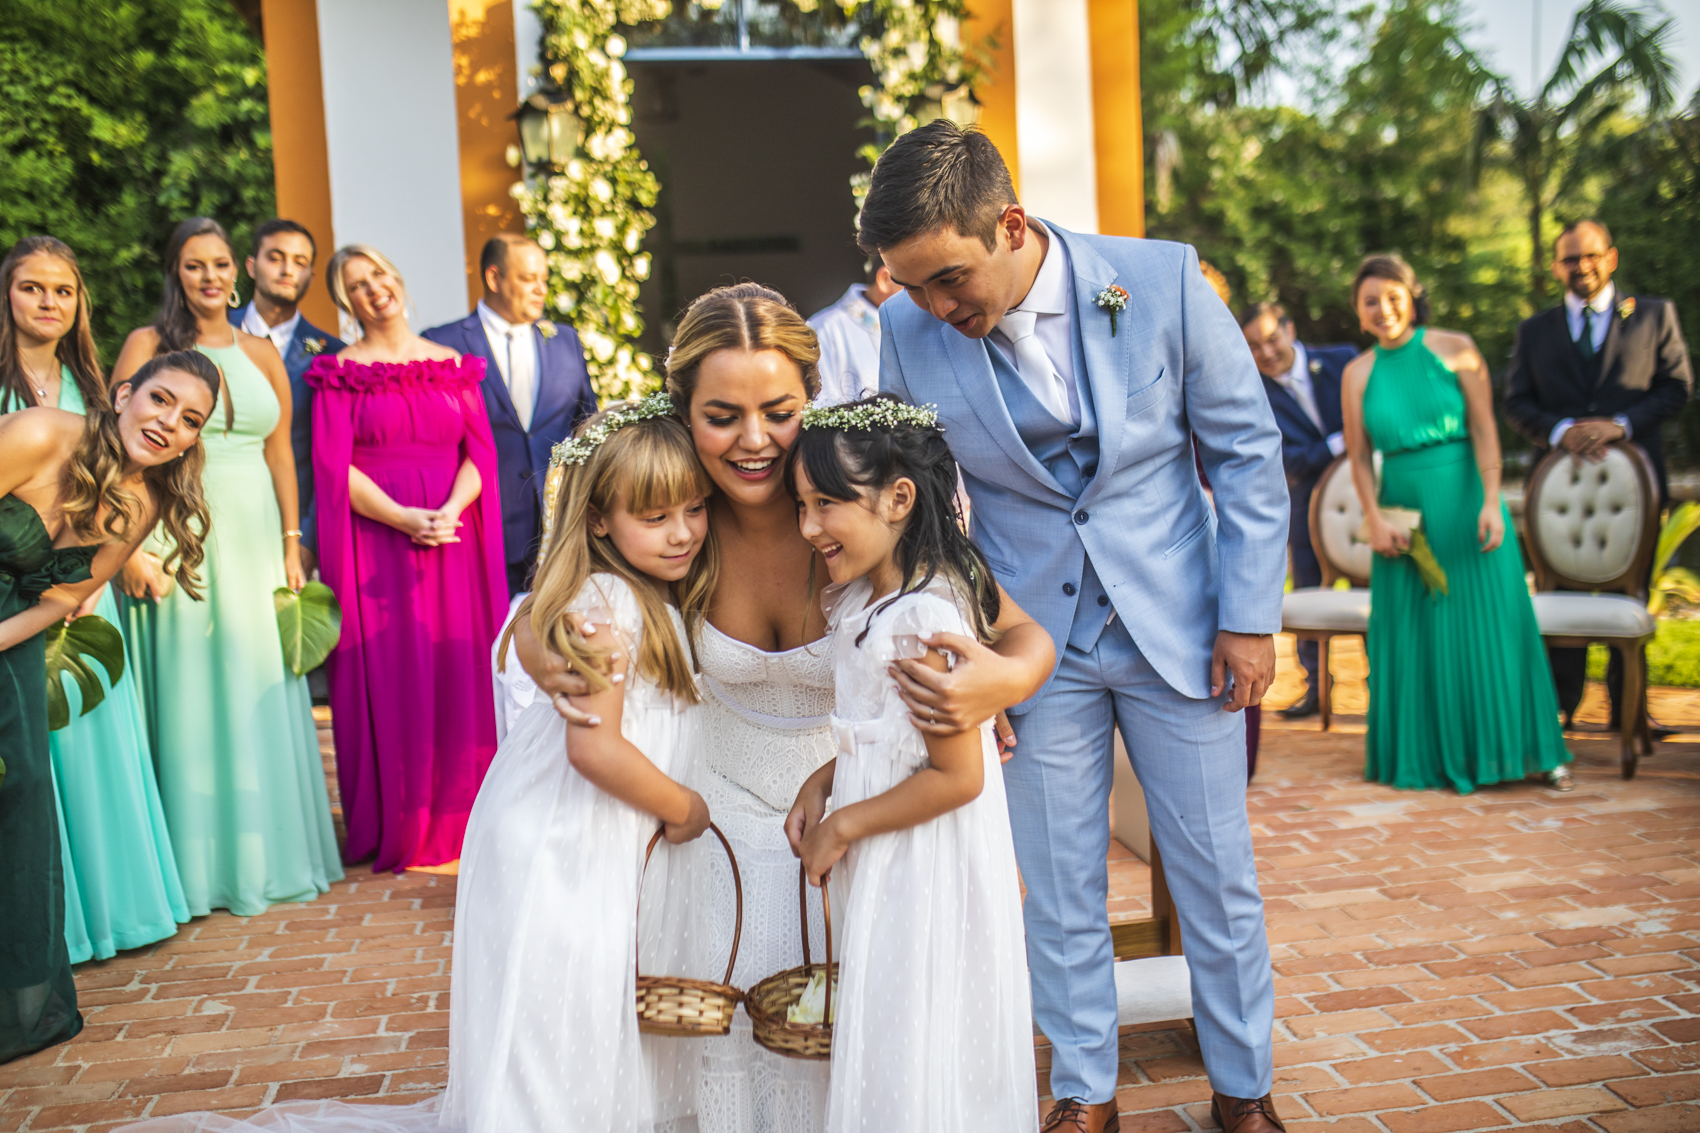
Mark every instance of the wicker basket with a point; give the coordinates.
(673, 1005)
(768, 1001)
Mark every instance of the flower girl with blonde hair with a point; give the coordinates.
(933, 1027)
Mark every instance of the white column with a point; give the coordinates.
(391, 136)
(1053, 112)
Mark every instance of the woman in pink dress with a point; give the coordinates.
(410, 539)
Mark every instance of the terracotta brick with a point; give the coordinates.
(1665, 1119)
(231, 1097)
(1642, 964)
(1642, 1092)
(1445, 1118)
(1475, 1084)
(1170, 1069)
(1296, 1052)
(1343, 1023)
(1631, 1011)
(1544, 1105)
(1360, 998)
(177, 1083)
(1363, 1099)
(1577, 1071)
(1390, 1068)
(1549, 974)
(1667, 1059)
(1501, 1053)
(1535, 997)
(1680, 1030)
(1525, 1023)
(313, 1089)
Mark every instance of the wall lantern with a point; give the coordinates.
(548, 129)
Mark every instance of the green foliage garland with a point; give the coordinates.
(592, 216)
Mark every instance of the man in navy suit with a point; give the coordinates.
(1303, 384)
(282, 270)
(536, 387)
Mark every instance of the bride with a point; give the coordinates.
(742, 366)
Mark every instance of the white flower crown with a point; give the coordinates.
(579, 449)
(881, 414)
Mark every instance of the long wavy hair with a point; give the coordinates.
(93, 480)
(176, 323)
(76, 351)
(647, 464)
(854, 464)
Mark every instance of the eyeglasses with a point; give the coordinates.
(1571, 263)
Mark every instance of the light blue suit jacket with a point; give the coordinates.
(1176, 571)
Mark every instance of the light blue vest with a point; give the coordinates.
(1072, 457)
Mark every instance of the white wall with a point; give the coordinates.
(1053, 112)
(390, 130)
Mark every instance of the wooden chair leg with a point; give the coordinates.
(1163, 903)
(1324, 682)
(1631, 711)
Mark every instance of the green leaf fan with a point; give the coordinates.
(71, 648)
(309, 624)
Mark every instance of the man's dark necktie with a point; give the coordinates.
(1586, 342)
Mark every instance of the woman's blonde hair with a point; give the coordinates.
(339, 290)
(744, 316)
(93, 479)
(644, 465)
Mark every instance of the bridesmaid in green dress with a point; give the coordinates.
(1460, 694)
(231, 727)
(75, 500)
(121, 886)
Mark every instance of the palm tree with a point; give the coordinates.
(1616, 54)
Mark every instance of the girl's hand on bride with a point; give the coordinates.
(1006, 737)
(693, 826)
(822, 847)
(809, 809)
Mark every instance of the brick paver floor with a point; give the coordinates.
(1514, 959)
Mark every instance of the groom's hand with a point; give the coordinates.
(949, 702)
(1250, 659)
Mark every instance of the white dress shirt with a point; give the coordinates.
(1601, 306)
(849, 334)
(281, 335)
(515, 348)
(1051, 299)
(1296, 381)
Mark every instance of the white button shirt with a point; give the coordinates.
(514, 346)
(1051, 298)
(849, 335)
(281, 335)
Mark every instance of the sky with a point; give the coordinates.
(1506, 34)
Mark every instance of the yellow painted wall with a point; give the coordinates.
(1118, 137)
(486, 91)
(990, 30)
(299, 157)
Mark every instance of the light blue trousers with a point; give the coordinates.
(1190, 759)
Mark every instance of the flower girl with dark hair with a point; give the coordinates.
(933, 1027)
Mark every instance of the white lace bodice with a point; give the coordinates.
(760, 708)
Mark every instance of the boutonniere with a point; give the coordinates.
(313, 345)
(546, 328)
(1626, 308)
(1315, 367)
(1114, 300)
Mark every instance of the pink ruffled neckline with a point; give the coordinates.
(365, 377)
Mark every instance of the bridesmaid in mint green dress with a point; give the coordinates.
(231, 727)
(1460, 694)
(121, 887)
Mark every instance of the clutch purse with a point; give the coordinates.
(1404, 520)
(1409, 523)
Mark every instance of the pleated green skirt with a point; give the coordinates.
(1460, 694)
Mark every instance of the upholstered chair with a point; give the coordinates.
(1322, 613)
(1592, 528)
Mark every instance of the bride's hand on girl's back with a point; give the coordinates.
(555, 676)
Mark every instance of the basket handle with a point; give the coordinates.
(826, 914)
(737, 885)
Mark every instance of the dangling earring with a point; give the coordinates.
(234, 301)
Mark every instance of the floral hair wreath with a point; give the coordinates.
(579, 449)
(881, 414)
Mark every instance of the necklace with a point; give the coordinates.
(41, 389)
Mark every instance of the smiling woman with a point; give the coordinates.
(231, 727)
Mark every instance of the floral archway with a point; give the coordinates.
(591, 216)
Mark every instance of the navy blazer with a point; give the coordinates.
(307, 343)
(1304, 448)
(564, 398)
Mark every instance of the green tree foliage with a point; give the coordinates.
(118, 118)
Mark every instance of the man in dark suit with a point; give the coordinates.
(536, 387)
(1600, 367)
(282, 270)
(1303, 384)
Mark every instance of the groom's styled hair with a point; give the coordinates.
(939, 175)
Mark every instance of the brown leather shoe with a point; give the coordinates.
(1071, 1115)
(1245, 1115)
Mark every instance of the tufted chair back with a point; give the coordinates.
(1335, 516)
(1592, 526)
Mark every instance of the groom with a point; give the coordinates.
(1075, 425)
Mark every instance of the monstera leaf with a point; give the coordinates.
(309, 624)
(71, 647)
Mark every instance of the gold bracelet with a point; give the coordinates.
(296, 534)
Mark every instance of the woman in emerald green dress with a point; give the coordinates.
(121, 887)
(76, 497)
(231, 727)
(1460, 694)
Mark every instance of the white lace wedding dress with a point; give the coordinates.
(934, 1027)
(765, 729)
